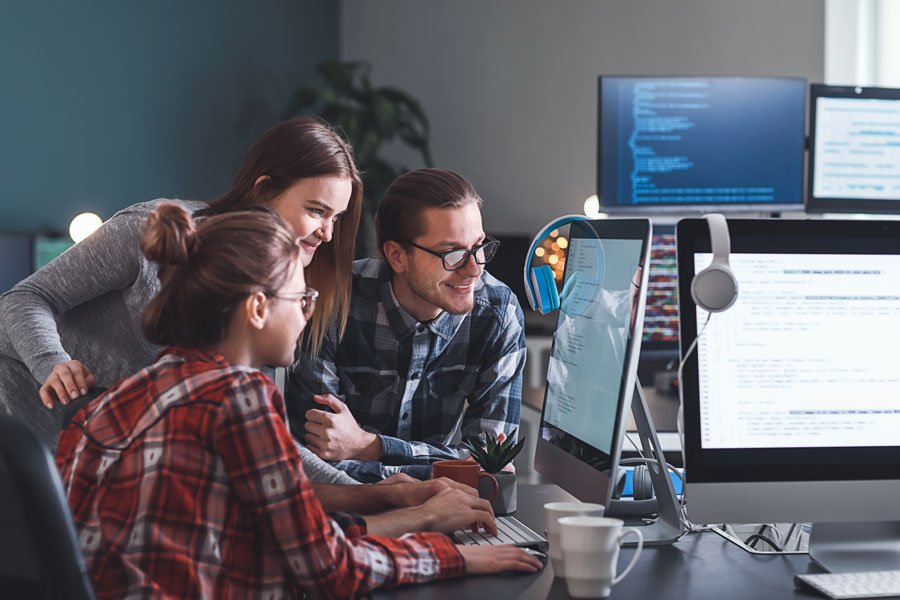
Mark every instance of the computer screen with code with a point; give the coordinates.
(810, 332)
(854, 163)
(676, 142)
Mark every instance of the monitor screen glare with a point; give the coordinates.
(588, 356)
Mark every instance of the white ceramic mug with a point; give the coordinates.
(590, 547)
(554, 511)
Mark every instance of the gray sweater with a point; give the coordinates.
(86, 305)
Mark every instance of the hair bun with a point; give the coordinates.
(169, 236)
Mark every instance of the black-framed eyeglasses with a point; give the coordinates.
(307, 301)
(455, 260)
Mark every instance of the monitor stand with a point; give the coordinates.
(850, 547)
(668, 527)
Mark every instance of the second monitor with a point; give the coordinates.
(694, 143)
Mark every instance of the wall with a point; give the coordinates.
(106, 103)
(510, 85)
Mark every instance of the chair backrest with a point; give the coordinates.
(69, 410)
(39, 553)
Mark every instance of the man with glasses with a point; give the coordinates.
(432, 343)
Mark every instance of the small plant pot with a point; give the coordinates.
(505, 502)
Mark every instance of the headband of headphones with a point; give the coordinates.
(540, 287)
(715, 288)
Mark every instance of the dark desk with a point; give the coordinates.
(701, 566)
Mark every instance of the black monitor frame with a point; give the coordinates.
(776, 464)
(816, 204)
(697, 208)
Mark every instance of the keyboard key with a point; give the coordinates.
(509, 531)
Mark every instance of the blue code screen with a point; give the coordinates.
(701, 141)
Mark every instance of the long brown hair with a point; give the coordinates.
(209, 267)
(298, 149)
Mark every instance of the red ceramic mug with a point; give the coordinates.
(463, 471)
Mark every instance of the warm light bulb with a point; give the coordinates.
(539, 252)
(554, 233)
(84, 225)
(553, 259)
(563, 243)
(592, 208)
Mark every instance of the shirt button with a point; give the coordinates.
(421, 329)
(414, 375)
(405, 416)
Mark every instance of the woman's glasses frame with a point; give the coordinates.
(307, 301)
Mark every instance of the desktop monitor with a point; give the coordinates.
(677, 144)
(660, 337)
(15, 259)
(854, 149)
(792, 396)
(593, 360)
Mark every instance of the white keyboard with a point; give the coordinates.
(509, 531)
(866, 584)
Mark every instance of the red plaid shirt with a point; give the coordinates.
(184, 483)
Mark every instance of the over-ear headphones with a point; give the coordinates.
(540, 286)
(715, 287)
(644, 503)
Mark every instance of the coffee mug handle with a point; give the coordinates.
(494, 479)
(637, 552)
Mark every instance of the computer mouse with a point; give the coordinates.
(541, 556)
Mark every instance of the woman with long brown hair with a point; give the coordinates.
(75, 323)
(183, 479)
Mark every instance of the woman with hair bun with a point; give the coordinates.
(183, 479)
(75, 323)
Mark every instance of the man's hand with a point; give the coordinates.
(397, 478)
(445, 512)
(67, 381)
(455, 509)
(414, 494)
(481, 560)
(337, 435)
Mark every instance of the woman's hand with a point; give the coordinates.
(67, 381)
(481, 560)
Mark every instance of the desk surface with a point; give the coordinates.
(701, 566)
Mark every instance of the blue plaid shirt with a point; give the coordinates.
(414, 383)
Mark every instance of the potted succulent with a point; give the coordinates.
(493, 456)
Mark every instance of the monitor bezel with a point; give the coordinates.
(567, 471)
(775, 464)
(692, 208)
(816, 204)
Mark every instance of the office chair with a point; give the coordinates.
(69, 410)
(39, 553)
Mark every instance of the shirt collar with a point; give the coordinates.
(195, 354)
(404, 324)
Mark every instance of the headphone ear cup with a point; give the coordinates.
(546, 296)
(642, 484)
(714, 288)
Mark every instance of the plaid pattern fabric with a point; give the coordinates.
(414, 383)
(184, 483)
